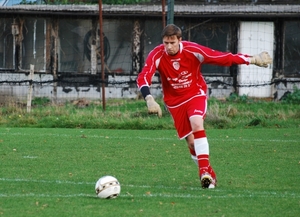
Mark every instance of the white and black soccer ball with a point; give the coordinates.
(108, 187)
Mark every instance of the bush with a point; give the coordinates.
(292, 98)
(40, 101)
(236, 98)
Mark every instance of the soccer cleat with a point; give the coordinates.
(207, 181)
(214, 178)
(213, 184)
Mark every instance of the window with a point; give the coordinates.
(214, 35)
(9, 3)
(33, 44)
(6, 44)
(291, 56)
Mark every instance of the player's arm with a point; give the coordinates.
(227, 59)
(144, 81)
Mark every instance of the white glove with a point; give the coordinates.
(262, 59)
(153, 107)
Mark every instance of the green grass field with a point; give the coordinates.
(52, 172)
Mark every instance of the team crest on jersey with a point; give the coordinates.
(176, 65)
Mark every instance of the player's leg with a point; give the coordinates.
(190, 142)
(196, 112)
(206, 172)
(184, 129)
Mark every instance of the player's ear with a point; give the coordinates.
(180, 39)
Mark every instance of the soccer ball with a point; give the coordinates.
(108, 187)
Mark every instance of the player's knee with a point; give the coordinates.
(197, 127)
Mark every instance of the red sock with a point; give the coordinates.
(202, 151)
(212, 172)
(192, 151)
(203, 162)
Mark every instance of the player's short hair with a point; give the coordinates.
(171, 30)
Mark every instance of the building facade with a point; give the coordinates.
(62, 44)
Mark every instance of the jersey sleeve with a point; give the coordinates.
(224, 58)
(145, 76)
(214, 57)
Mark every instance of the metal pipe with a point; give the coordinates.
(102, 54)
(170, 19)
(163, 4)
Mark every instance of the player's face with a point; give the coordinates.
(171, 44)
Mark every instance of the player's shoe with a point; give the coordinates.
(207, 181)
(214, 178)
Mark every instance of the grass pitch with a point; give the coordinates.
(52, 172)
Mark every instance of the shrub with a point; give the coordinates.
(292, 98)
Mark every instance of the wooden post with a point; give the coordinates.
(29, 94)
(136, 47)
(54, 56)
(94, 44)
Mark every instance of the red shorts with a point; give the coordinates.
(181, 114)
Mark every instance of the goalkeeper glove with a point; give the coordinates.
(153, 107)
(262, 59)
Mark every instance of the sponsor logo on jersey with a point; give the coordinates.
(183, 80)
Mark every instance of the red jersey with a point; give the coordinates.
(180, 74)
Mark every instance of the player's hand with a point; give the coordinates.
(262, 59)
(153, 107)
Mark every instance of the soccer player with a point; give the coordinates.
(184, 89)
